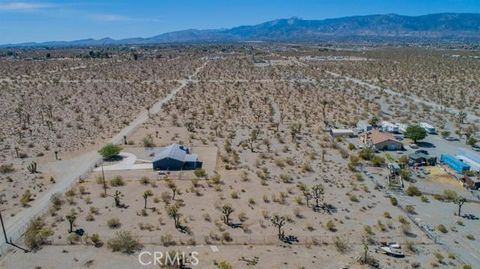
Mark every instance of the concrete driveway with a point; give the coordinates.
(128, 162)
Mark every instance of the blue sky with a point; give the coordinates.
(43, 20)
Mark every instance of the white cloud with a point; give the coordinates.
(109, 17)
(22, 6)
(117, 18)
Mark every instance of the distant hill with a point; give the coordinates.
(438, 27)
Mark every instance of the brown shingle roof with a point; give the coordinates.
(378, 137)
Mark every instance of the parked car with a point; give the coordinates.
(476, 147)
(451, 138)
(413, 146)
(421, 151)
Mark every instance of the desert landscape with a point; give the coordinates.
(278, 188)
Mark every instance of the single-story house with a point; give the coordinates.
(342, 132)
(175, 158)
(381, 140)
(421, 158)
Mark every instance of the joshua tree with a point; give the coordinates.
(174, 214)
(252, 139)
(295, 130)
(117, 197)
(71, 219)
(324, 112)
(317, 194)
(308, 196)
(147, 194)
(227, 210)
(459, 201)
(461, 117)
(171, 185)
(279, 222)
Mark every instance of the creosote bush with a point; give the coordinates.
(124, 241)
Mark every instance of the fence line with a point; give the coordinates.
(45, 206)
(244, 240)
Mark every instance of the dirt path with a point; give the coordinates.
(74, 169)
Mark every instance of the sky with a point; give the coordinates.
(47, 20)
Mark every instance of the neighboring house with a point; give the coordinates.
(429, 128)
(381, 140)
(454, 163)
(175, 158)
(342, 132)
(388, 127)
(363, 126)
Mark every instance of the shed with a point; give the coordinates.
(342, 132)
(422, 159)
(174, 158)
(364, 126)
(454, 163)
(472, 183)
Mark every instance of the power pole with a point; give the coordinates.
(104, 182)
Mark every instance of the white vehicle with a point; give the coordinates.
(402, 128)
(429, 128)
(389, 127)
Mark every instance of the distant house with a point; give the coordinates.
(363, 126)
(454, 163)
(388, 127)
(429, 128)
(175, 158)
(342, 132)
(381, 140)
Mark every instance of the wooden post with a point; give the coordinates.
(104, 182)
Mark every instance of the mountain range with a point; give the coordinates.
(433, 27)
